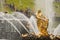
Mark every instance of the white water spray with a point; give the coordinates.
(21, 23)
(57, 31)
(34, 23)
(32, 28)
(11, 23)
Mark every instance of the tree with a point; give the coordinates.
(57, 6)
(20, 4)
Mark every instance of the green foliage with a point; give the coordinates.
(21, 4)
(57, 7)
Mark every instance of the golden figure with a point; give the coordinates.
(42, 23)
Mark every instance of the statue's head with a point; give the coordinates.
(39, 11)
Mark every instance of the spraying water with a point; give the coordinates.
(50, 14)
(21, 23)
(34, 23)
(31, 26)
(10, 23)
(57, 31)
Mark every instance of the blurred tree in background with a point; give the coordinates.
(57, 6)
(13, 5)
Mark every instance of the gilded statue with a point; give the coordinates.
(42, 23)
